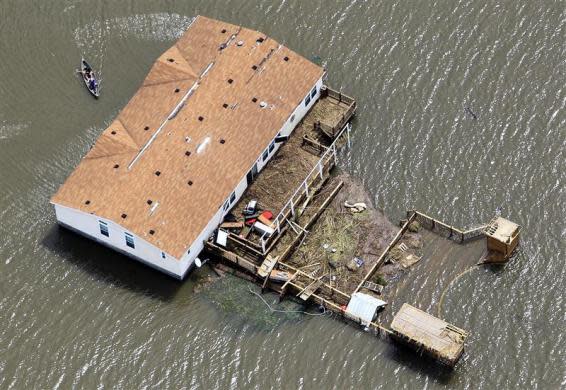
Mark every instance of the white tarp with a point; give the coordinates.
(222, 238)
(362, 307)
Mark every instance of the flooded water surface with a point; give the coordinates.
(461, 109)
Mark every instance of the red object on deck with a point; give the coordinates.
(250, 222)
(267, 214)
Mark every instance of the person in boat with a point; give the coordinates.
(92, 84)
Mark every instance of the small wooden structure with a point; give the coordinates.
(502, 239)
(422, 331)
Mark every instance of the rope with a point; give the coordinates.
(450, 284)
(519, 253)
(286, 311)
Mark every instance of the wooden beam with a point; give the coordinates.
(232, 257)
(385, 252)
(324, 205)
(321, 300)
(313, 219)
(298, 271)
(288, 281)
(243, 241)
(271, 266)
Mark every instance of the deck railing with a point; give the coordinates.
(351, 103)
(446, 230)
(304, 190)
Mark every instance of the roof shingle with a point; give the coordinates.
(227, 52)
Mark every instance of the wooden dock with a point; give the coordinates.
(300, 198)
(422, 331)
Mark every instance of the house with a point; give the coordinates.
(160, 179)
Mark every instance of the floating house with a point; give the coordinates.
(210, 114)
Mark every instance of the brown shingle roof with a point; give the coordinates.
(257, 70)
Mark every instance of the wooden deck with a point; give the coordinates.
(421, 330)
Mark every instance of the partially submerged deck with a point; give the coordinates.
(436, 337)
(328, 244)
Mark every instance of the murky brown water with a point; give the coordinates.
(74, 314)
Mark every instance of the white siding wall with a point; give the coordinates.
(88, 225)
(145, 252)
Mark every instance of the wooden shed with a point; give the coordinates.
(502, 239)
(424, 332)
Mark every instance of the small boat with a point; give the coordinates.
(89, 78)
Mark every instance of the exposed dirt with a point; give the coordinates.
(340, 236)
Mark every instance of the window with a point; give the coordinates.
(271, 146)
(307, 100)
(233, 197)
(130, 241)
(292, 118)
(313, 92)
(162, 255)
(226, 205)
(265, 155)
(103, 228)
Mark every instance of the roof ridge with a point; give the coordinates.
(114, 140)
(108, 155)
(128, 133)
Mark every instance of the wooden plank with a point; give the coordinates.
(232, 257)
(314, 144)
(289, 281)
(300, 272)
(310, 289)
(266, 267)
(252, 247)
(378, 288)
(244, 241)
(232, 225)
(386, 251)
(324, 205)
(325, 302)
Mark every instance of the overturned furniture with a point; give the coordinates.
(424, 332)
(502, 238)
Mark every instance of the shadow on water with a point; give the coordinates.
(110, 266)
(419, 363)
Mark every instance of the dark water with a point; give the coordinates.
(73, 314)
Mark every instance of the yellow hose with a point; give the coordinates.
(450, 284)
